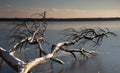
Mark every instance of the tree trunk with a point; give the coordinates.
(19, 65)
(11, 60)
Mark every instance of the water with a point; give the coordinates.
(106, 61)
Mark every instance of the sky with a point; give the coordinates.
(60, 8)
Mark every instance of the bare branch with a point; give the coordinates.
(11, 60)
(33, 33)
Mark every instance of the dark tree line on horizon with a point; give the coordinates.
(61, 19)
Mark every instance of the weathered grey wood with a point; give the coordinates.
(11, 60)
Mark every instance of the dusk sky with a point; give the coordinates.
(60, 8)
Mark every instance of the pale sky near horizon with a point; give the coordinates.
(60, 8)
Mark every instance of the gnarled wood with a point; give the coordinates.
(34, 34)
(11, 60)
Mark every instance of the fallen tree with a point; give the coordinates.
(33, 33)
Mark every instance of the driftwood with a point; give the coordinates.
(34, 34)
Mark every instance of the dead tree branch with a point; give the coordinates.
(33, 33)
(22, 67)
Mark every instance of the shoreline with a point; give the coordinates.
(60, 19)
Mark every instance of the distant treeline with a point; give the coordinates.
(60, 19)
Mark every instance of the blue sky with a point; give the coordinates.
(60, 8)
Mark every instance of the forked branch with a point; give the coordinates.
(33, 33)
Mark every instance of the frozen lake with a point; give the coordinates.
(107, 60)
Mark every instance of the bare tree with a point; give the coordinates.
(33, 33)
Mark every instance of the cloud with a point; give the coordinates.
(57, 13)
(14, 12)
(8, 5)
(76, 13)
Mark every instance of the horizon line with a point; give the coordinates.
(61, 19)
